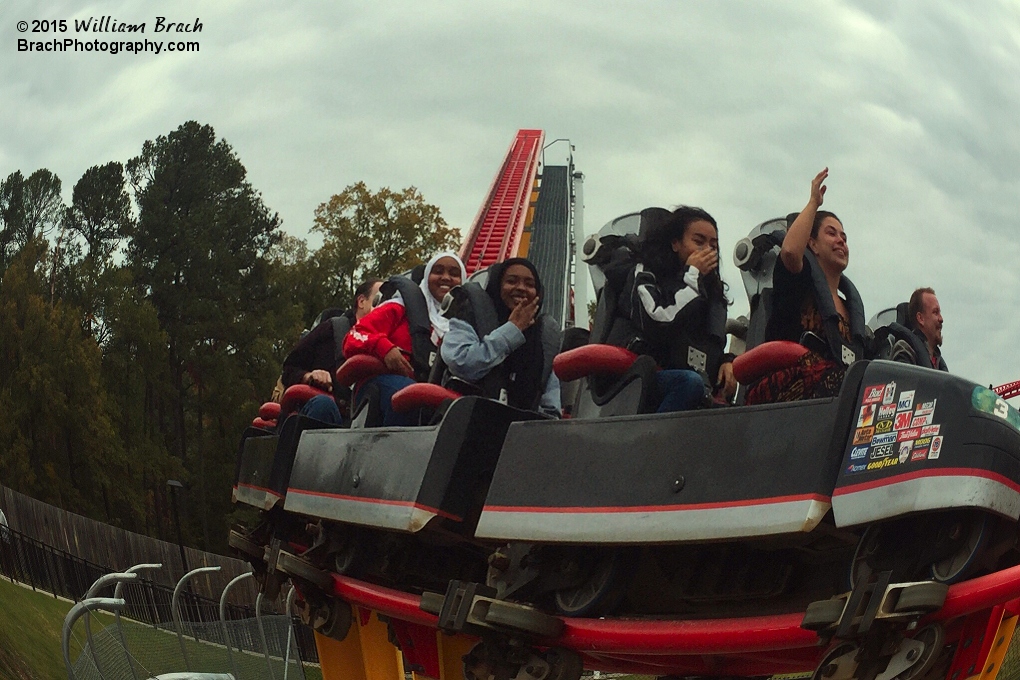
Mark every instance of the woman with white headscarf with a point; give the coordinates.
(385, 332)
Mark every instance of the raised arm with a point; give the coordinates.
(800, 231)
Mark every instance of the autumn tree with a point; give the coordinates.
(376, 234)
(301, 277)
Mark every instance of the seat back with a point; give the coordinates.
(755, 256)
(628, 394)
(467, 301)
(367, 411)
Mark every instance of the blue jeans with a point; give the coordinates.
(323, 408)
(682, 389)
(389, 384)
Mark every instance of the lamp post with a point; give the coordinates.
(174, 486)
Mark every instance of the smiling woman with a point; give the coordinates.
(513, 361)
(385, 333)
(813, 304)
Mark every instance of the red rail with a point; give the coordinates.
(760, 645)
(496, 231)
(1008, 390)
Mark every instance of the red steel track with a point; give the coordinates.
(496, 231)
(759, 645)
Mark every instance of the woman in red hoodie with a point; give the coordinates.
(386, 333)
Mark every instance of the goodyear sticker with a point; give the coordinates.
(867, 416)
(883, 463)
(863, 435)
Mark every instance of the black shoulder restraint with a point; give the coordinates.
(552, 339)
(841, 352)
(341, 327)
(423, 352)
(922, 357)
(470, 303)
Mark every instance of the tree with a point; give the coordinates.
(302, 277)
(377, 234)
(199, 252)
(29, 208)
(100, 211)
(100, 215)
(57, 441)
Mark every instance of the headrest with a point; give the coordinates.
(901, 315)
(269, 410)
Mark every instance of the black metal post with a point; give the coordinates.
(174, 485)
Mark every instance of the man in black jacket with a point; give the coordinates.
(318, 354)
(925, 318)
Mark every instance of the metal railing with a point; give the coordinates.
(47, 569)
(152, 654)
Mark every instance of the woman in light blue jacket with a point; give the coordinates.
(513, 362)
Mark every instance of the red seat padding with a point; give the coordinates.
(359, 367)
(297, 396)
(593, 359)
(264, 424)
(767, 358)
(269, 410)
(420, 395)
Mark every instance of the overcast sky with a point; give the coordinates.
(733, 106)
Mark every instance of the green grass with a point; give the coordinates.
(30, 634)
(30, 628)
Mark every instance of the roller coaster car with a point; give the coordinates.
(758, 509)
(394, 505)
(843, 515)
(749, 510)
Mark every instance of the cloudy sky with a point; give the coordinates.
(733, 106)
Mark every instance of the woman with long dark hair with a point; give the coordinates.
(675, 302)
(512, 362)
(815, 304)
